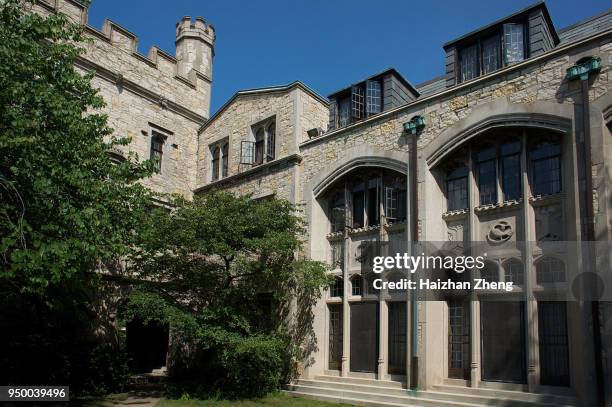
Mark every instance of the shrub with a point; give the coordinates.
(252, 366)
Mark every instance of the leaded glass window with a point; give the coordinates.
(468, 60)
(358, 195)
(336, 288)
(513, 43)
(356, 285)
(357, 102)
(157, 147)
(456, 188)
(546, 168)
(491, 54)
(337, 212)
(487, 176)
(373, 97)
(511, 170)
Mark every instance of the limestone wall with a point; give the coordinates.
(146, 91)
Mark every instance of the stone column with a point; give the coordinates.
(531, 305)
(346, 311)
(474, 302)
(381, 370)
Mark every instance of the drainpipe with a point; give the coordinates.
(413, 127)
(582, 70)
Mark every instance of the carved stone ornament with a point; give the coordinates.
(500, 232)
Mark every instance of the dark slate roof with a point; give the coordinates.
(432, 86)
(600, 22)
(526, 10)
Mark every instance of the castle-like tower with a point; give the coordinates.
(195, 49)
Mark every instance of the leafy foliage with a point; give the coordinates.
(65, 205)
(221, 271)
(65, 208)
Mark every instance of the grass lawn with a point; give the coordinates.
(274, 400)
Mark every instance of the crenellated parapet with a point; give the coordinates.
(190, 68)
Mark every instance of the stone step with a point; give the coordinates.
(444, 395)
(510, 399)
(536, 398)
(362, 381)
(374, 399)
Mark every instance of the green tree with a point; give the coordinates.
(223, 272)
(65, 209)
(64, 205)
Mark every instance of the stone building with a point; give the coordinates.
(511, 148)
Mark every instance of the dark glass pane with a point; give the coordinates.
(356, 285)
(358, 208)
(336, 289)
(468, 60)
(337, 212)
(513, 43)
(373, 97)
(511, 176)
(335, 336)
(372, 206)
(487, 179)
(491, 54)
(546, 167)
(456, 188)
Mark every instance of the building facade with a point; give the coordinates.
(507, 148)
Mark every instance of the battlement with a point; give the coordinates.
(124, 39)
(195, 29)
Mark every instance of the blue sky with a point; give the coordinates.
(327, 44)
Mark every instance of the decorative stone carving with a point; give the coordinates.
(500, 231)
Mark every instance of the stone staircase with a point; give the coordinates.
(380, 393)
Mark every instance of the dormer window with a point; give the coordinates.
(492, 51)
(372, 96)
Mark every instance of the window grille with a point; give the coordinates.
(356, 285)
(487, 176)
(550, 270)
(247, 152)
(513, 43)
(336, 288)
(546, 168)
(514, 272)
(456, 188)
(491, 54)
(373, 97)
(357, 102)
(468, 59)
